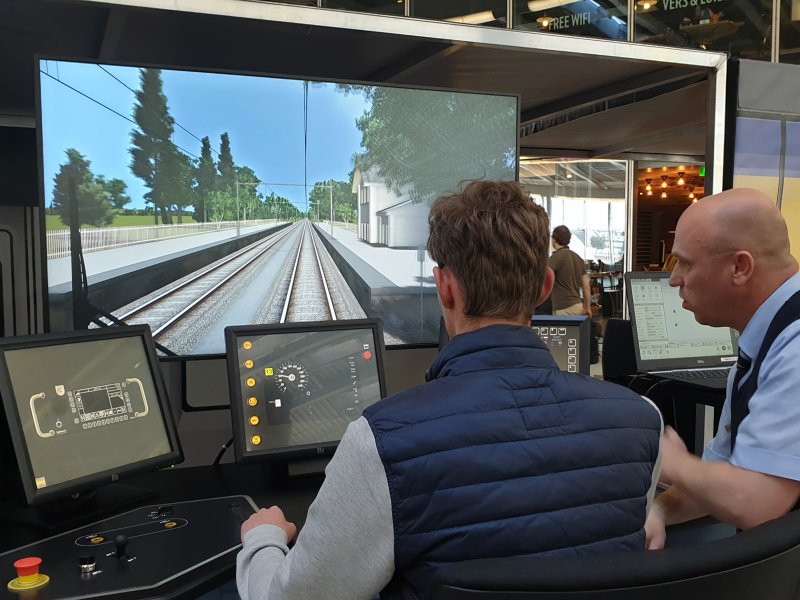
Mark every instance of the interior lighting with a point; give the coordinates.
(648, 187)
(680, 177)
(663, 195)
(544, 21)
(664, 182)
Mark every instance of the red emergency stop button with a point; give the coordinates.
(28, 576)
(27, 566)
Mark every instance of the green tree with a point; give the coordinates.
(344, 201)
(116, 190)
(249, 199)
(154, 158)
(226, 166)
(93, 205)
(205, 176)
(178, 187)
(423, 143)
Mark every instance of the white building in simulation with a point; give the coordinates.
(386, 218)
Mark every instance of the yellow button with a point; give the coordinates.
(248, 363)
(170, 524)
(97, 539)
(247, 345)
(254, 420)
(251, 382)
(252, 400)
(255, 440)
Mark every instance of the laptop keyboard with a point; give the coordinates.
(701, 374)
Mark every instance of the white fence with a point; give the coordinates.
(94, 240)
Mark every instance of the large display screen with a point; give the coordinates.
(204, 199)
(295, 388)
(84, 409)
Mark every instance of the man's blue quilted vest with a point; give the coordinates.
(501, 454)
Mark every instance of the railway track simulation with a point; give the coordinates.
(288, 276)
(309, 295)
(170, 306)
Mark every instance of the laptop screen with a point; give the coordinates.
(666, 335)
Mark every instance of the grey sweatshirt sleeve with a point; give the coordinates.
(345, 549)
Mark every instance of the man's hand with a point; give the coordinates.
(270, 516)
(673, 455)
(655, 529)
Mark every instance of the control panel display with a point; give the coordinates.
(567, 338)
(563, 345)
(84, 408)
(300, 386)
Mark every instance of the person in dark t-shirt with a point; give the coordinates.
(571, 277)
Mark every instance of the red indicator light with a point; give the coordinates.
(367, 355)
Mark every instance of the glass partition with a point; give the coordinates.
(741, 27)
(790, 31)
(588, 196)
(489, 13)
(382, 7)
(593, 18)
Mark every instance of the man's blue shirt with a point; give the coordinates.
(768, 440)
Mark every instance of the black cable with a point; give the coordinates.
(654, 386)
(222, 451)
(635, 378)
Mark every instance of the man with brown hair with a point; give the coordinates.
(498, 454)
(571, 278)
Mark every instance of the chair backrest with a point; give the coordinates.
(619, 359)
(763, 562)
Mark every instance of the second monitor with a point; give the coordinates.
(568, 340)
(566, 337)
(296, 387)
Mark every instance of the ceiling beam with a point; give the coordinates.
(421, 57)
(666, 135)
(112, 34)
(661, 78)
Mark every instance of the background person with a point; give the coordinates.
(734, 269)
(571, 279)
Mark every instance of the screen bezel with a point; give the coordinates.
(664, 364)
(584, 335)
(38, 58)
(87, 482)
(233, 332)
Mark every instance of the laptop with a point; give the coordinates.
(668, 342)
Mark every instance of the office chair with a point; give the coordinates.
(763, 562)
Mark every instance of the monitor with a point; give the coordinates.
(666, 335)
(85, 409)
(296, 387)
(567, 338)
(197, 195)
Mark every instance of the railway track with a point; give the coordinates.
(308, 297)
(167, 308)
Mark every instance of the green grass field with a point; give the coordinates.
(53, 222)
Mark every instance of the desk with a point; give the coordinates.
(176, 485)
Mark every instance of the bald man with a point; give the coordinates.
(734, 269)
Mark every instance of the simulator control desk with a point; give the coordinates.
(181, 545)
